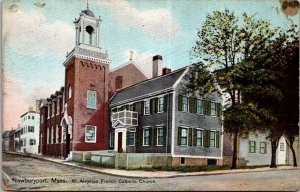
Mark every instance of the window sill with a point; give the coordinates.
(159, 145)
(90, 141)
(131, 145)
(92, 108)
(146, 145)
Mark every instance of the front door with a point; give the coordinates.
(120, 149)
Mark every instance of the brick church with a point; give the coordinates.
(124, 110)
(89, 84)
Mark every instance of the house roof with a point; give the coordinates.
(147, 87)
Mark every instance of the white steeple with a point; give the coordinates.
(87, 28)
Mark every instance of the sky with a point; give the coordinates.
(37, 34)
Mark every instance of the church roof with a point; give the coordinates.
(88, 13)
(147, 87)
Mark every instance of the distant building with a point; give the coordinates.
(29, 132)
(8, 141)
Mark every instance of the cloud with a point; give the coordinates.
(15, 103)
(29, 33)
(157, 22)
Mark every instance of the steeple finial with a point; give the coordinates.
(87, 4)
(131, 55)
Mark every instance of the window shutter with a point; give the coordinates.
(195, 137)
(217, 139)
(133, 106)
(204, 107)
(155, 105)
(179, 136)
(195, 105)
(209, 108)
(249, 146)
(152, 105)
(180, 103)
(155, 136)
(254, 147)
(208, 138)
(127, 138)
(219, 109)
(190, 136)
(205, 138)
(165, 103)
(191, 104)
(142, 107)
(165, 135)
(135, 138)
(150, 137)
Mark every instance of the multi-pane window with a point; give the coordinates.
(58, 106)
(32, 142)
(48, 111)
(53, 109)
(147, 107)
(132, 107)
(200, 106)
(111, 139)
(52, 135)
(213, 107)
(146, 137)
(90, 133)
(160, 104)
(131, 138)
(263, 147)
(91, 99)
(184, 103)
(212, 139)
(281, 146)
(184, 136)
(199, 137)
(252, 146)
(56, 134)
(48, 135)
(160, 136)
(31, 129)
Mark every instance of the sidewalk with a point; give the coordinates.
(150, 174)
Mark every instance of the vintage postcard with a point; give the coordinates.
(164, 95)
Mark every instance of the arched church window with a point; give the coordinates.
(90, 30)
(70, 92)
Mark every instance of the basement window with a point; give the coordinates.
(182, 161)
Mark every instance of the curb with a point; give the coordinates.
(154, 177)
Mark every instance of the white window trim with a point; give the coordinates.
(95, 134)
(163, 99)
(159, 127)
(281, 145)
(87, 98)
(57, 106)
(212, 110)
(56, 133)
(52, 108)
(202, 106)
(69, 92)
(144, 136)
(197, 137)
(48, 115)
(187, 136)
(148, 100)
(187, 107)
(133, 138)
(63, 103)
(264, 147)
(62, 135)
(52, 134)
(253, 146)
(210, 139)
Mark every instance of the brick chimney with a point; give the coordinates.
(166, 70)
(157, 65)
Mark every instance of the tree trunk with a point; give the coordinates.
(274, 145)
(290, 143)
(234, 155)
(294, 155)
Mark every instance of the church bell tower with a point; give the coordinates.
(86, 85)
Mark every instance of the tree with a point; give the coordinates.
(269, 83)
(223, 43)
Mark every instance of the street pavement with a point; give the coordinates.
(27, 173)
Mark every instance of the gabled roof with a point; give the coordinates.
(147, 87)
(130, 63)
